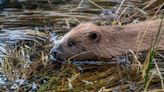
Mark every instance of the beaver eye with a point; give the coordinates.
(93, 35)
(71, 43)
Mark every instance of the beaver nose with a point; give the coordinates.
(53, 54)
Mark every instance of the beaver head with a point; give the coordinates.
(82, 42)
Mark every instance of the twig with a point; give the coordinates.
(156, 65)
(96, 4)
(118, 9)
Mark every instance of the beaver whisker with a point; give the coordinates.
(82, 53)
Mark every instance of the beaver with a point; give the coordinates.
(90, 41)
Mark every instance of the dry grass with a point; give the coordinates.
(30, 63)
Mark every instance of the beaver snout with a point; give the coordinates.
(55, 51)
(55, 54)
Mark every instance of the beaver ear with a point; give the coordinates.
(94, 36)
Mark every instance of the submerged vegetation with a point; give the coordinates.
(26, 32)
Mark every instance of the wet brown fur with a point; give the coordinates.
(110, 40)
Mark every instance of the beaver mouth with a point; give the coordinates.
(60, 57)
(56, 58)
